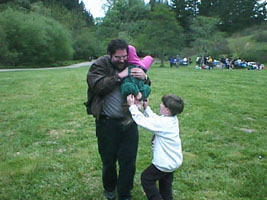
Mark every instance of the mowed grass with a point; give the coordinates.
(48, 148)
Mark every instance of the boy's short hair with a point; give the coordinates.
(174, 103)
(116, 44)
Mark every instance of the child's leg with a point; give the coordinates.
(145, 90)
(148, 180)
(165, 186)
(128, 88)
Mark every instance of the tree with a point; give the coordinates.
(33, 39)
(154, 2)
(186, 11)
(125, 18)
(86, 45)
(205, 32)
(235, 15)
(162, 36)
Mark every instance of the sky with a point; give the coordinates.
(95, 7)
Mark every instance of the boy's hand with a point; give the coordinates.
(130, 99)
(138, 103)
(145, 103)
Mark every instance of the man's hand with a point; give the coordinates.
(138, 73)
(123, 73)
(130, 99)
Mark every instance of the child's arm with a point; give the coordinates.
(147, 110)
(152, 123)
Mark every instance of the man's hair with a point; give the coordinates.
(116, 44)
(174, 103)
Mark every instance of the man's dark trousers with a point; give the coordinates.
(117, 142)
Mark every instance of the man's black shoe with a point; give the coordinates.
(110, 195)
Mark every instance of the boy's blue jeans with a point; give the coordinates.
(117, 142)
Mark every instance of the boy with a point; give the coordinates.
(167, 149)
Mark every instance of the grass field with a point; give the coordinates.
(48, 146)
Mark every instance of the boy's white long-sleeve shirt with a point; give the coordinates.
(167, 151)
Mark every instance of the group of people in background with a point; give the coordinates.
(176, 61)
(207, 62)
(230, 63)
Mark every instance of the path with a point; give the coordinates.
(83, 64)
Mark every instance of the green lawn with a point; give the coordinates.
(48, 146)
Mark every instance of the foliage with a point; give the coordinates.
(71, 14)
(126, 18)
(251, 45)
(235, 15)
(86, 44)
(254, 54)
(31, 38)
(74, 19)
(162, 35)
(206, 36)
(220, 48)
(240, 45)
(48, 147)
(185, 11)
(132, 20)
(260, 36)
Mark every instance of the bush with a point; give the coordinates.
(33, 39)
(260, 36)
(220, 47)
(86, 45)
(255, 55)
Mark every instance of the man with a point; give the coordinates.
(172, 61)
(116, 141)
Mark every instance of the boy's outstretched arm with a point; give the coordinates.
(152, 122)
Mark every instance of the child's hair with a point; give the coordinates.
(174, 103)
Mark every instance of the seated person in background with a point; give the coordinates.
(210, 62)
(131, 85)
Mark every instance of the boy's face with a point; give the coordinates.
(164, 110)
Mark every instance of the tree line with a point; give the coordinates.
(49, 31)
